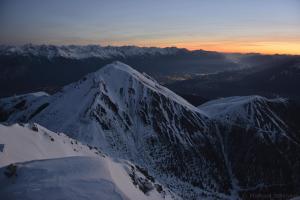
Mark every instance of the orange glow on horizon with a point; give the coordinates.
(264, 45)
(272, 46)
(260, 47)
(253, 45)
(292, 48)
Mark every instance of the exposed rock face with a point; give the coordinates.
(261, 138)
(227, 148)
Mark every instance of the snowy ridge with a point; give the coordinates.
(53, 166)
(119, 72)
(242, 107)
(28, 96)
(34, 142)
(88, 51)
(226, 105)
(248, 111)
(22, 108)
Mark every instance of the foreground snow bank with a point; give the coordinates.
(62, 178)
(40, 164)
(34, 142)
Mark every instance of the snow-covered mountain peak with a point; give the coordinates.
(117, 74)
(248, 111)
(119, 69)
(114, 107)
(223, 106)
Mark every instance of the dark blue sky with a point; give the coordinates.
(269, 26)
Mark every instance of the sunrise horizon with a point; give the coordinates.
(266, 27)
(233, 50)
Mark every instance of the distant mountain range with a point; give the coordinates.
(229, 148)
(196, 75)
(32, 68)
(83, 52)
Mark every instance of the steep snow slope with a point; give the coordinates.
(22, 108)
(260, 138)
(254, 112)
(116, 99)
(237, 106)
(54, 166)
(81, 52)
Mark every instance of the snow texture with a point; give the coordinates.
(54, 166)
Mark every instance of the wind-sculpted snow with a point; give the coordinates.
(226, 149)
(39, 164)
(34, 142)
